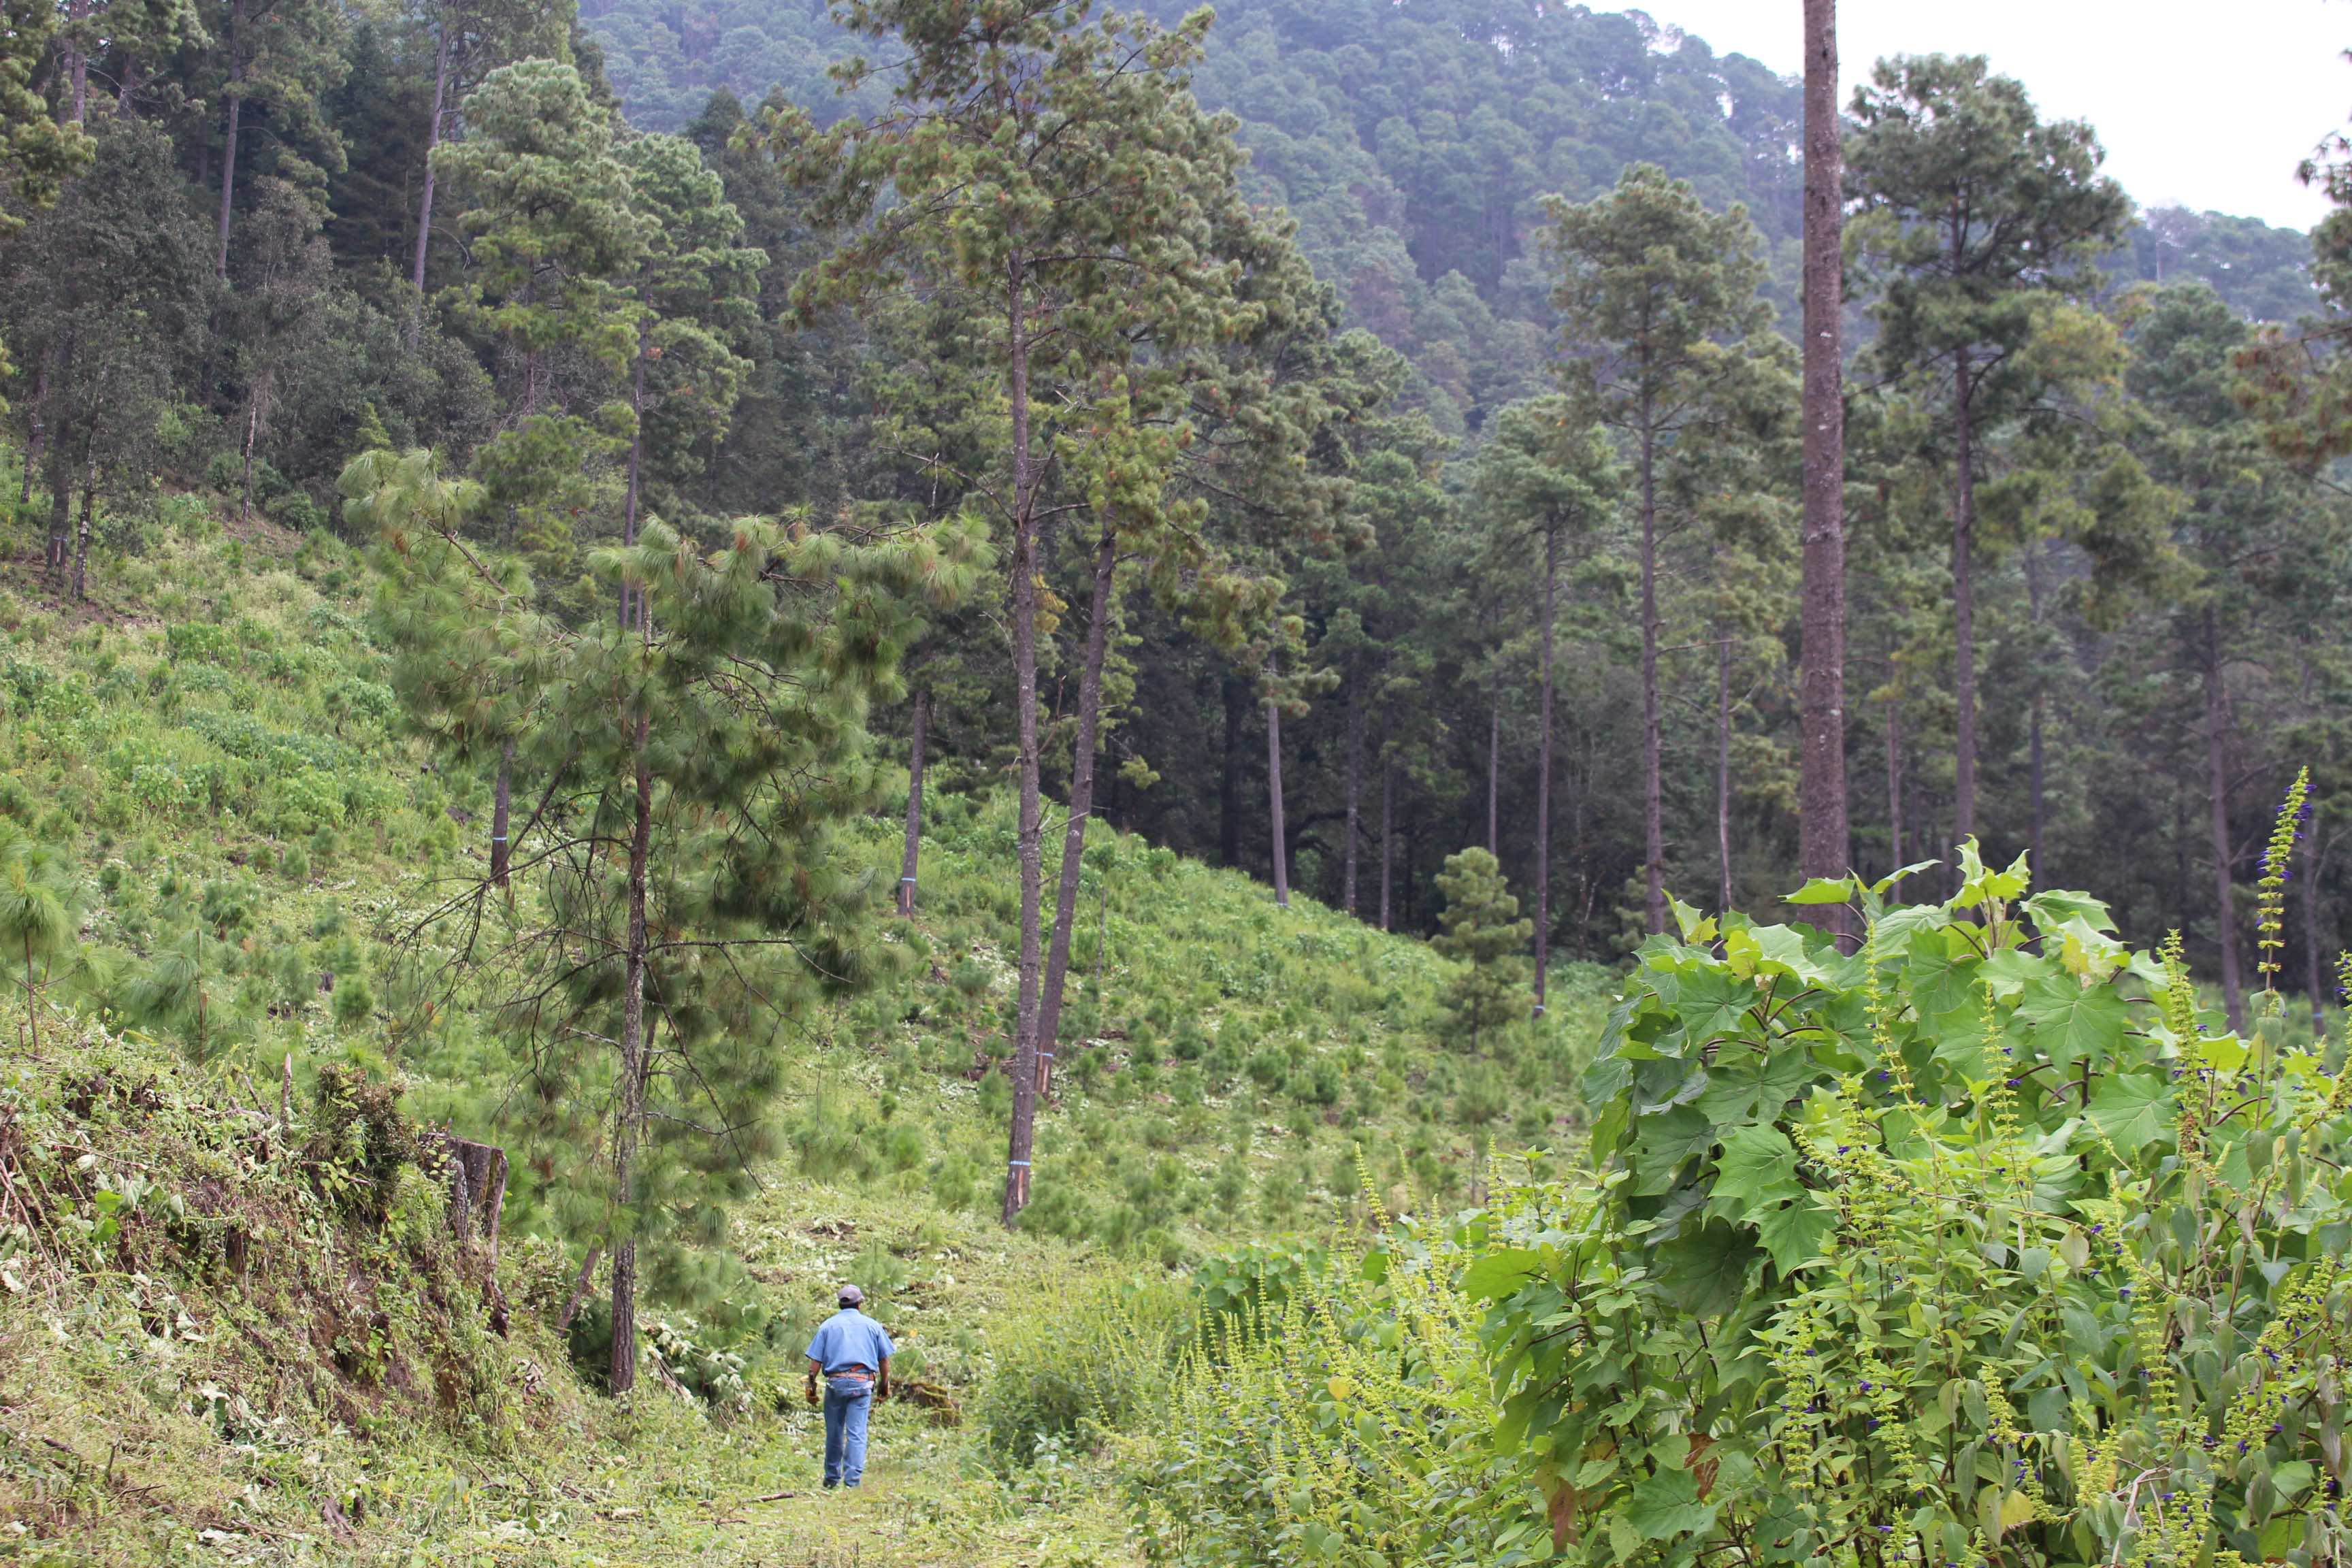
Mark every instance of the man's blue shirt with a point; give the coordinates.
(849, 1338)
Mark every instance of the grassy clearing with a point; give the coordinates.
(212, 745)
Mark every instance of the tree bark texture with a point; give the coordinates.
(907, 862)
(1824, 840)
(633, 500)
(1082, 804)
(2217, 797)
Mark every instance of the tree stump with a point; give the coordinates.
(477, 1191)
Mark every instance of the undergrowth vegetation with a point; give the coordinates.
(217, 836)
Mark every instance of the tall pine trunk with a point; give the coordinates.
(1355, 802)
(1964, 608)
(1824, 837)
(1388, 835)
(76, 62)
(82, 533)
(1021, 1145)
(1082, 803)
(1543, 765)
(2217, 800)
(631, 501)
(1281, 843)
(1653, 807)
(632, 1080)
(1723, 762)
(907, 862)
(228, 149)
(60, 541)
(1894, 784)
(424, 202)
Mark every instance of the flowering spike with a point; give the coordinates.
(2270, 899)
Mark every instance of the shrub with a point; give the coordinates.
(1101, 1362)
(1968, 1246)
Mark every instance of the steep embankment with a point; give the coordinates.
(234, 1325)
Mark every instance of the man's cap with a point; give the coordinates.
(851, 1296)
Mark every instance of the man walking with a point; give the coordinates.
(852, 1352)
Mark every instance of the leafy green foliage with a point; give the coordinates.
(1943, 1245)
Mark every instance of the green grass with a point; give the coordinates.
(212, 741)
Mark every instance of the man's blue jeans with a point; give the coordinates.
(847, 1402)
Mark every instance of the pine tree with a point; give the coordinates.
(1657, 297)
(1545, 479)
(1039, 171)
(1825, 845)
(697, 764)
(1976, 215)
(468, 40)
(1481, 928)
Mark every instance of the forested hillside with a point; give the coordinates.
(1459, 787)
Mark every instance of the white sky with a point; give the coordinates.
(2208, 103)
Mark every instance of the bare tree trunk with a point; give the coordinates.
(914, 807)
(1281, 846)
(1964, 611)
(1495, 774)
(1388, 835)
(2216, 788)
(1021, 1143)
(81, 534)
(1723, 762)
(636, 466)
(425, 203)
(253, 397)
(76, 62)
(1082, 803)
(1653, 807)
(501, 807)
(228, 150)
(1355, 801)
(1894, 784)
(1543, 765)
(61, 508)
(1825, 843)
(632, 1083)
